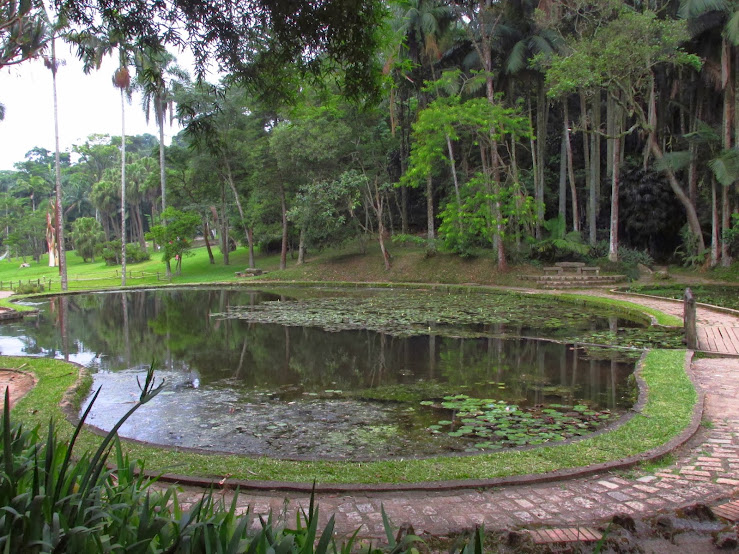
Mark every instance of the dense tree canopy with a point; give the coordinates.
(526, 130)
(258, 42)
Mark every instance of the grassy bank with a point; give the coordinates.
(667, 412)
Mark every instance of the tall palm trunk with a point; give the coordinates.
(542, 118)
(571, 171)
(123, 188)
(58, 176)
(159, 109)
(615, 149)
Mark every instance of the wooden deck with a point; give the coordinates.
(722, 340)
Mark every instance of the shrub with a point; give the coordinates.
(560, 245)
(111, 253)
(630, 270)
(689, 252)
(135, 254)
(628, 256)
(731, 236)
(29, 288)
(87, 237)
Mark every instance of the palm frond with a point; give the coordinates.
(732, 29)
(674, 161)
(725, 167)
(517, 59)
(690, 9)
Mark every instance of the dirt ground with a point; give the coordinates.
(18, 383)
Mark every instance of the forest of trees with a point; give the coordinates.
(519, 129)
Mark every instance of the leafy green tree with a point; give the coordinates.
(258, 42)
(87, 237)
(481, 209)
(176, 237)
(22, 32)
(28, 236)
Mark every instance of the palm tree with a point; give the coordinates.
(122, 81)
(156, 74)
(91, 49)
(52, 63)
(422, 25)
(529, 39)
(697, 13)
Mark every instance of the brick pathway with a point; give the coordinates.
(704, 470)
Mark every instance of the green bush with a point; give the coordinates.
(630, 270)
(731, 236)
(628, 256)
(111, 253)
(29, 288)
(87, 236)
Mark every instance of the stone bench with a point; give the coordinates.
(555, 270)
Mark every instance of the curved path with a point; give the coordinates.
(705, 470)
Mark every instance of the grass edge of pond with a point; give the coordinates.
(668, 410)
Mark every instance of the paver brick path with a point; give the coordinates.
(705, 470)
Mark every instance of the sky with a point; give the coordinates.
(88, 104)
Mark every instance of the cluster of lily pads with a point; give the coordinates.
(413, 313)
(488, 424)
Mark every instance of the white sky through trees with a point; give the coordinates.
(87, 104)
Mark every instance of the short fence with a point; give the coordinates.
(54, 284)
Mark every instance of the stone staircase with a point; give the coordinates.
(569, 275)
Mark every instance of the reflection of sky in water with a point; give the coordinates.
(14, 346)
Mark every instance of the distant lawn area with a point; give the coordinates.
(410, 264)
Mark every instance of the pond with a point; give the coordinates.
(319, 373)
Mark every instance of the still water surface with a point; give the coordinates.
(286, 391)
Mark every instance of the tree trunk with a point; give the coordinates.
(230, 180)
(123, 189)
(283, 208)
(225, 247)
(571, 171)
(588, 174)
(250, 240)
(542, 119)
(381, 228)
(595, 151)
(301, 247)
(162, 169)
(206, 236)
(453, 167)
(615, 174)
(714, 223)
(692, 216)
(725, 226)
(562, 209)
(62, 254)
(140, 225)
(610, 132)
(430, 212)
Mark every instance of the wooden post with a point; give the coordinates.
(689, 317)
